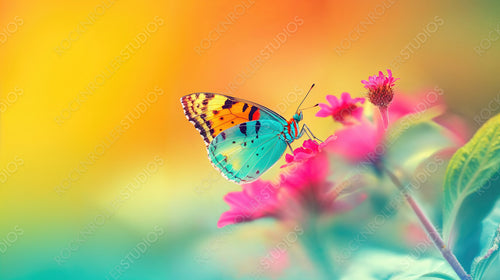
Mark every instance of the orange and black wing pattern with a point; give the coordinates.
(213, 113)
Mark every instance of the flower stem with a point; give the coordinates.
(429, 227)
(384, 114)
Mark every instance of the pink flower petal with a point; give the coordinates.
(332, 99)
(345, 98)
(325, 110)
(323, 114)
(341, 110)
(357, 113)
(356, 142)
(257, 199)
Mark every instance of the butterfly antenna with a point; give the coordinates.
(304, 98)
(316, 105)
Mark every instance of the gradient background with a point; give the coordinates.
(183, 197)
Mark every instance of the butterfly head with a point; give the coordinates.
(298, 116)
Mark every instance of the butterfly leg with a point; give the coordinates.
(289, 146)
(309, 133)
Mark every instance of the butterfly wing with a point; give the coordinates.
(213, 113)
(244, 152)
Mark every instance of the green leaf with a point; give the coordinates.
(380, 264)
(416, 144)
(470, 221)
(471, 168)
(490, 241)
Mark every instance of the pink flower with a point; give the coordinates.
(366, 141)
(309, 149)
(303, 191)
(380, 92)
(306, 190)
(380, 88)
(431, 100)
(359, 142)
(342, 110)
(258, 199)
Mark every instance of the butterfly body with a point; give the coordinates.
(243, 139)
(292, 128)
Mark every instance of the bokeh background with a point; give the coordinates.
(102, 177)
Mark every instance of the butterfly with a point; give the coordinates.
(243, 139)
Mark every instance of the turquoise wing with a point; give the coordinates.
(244, 152)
